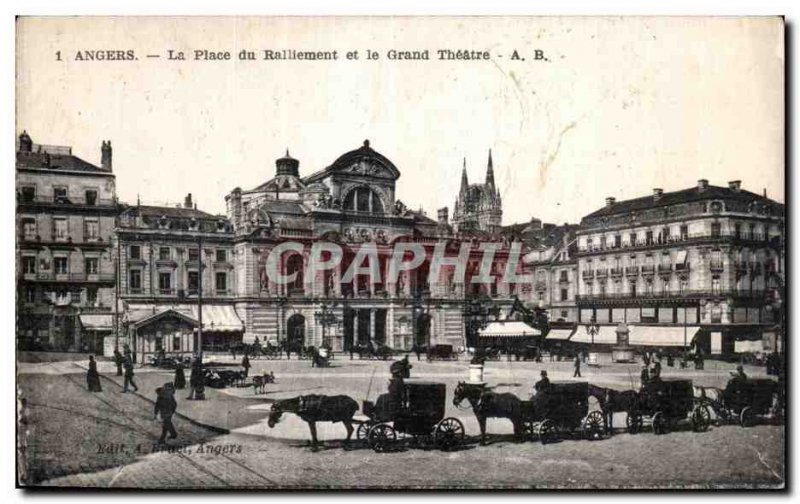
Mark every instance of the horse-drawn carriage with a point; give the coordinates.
(419, 415)
(561, 409)
(744, 400)
(441, 352)
(666, 402)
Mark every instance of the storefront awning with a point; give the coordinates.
(559, 334)
(97, 322)
(218, 318)
(606, 335)
(215, 317)
(508, 329)
(661, 336)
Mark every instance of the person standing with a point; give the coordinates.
(194, 379)
(129, 376)
(246, 365)
(118, 360)
(657, 370)
(166, 406)
(180, 377)
(93, 377)
(577, 373)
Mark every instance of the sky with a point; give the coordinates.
(617, 107)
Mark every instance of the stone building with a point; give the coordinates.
(66, 210)
(705, 262)
(352, 202)
(478, 207)
(177, 275)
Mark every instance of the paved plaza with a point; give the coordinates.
(76, 438)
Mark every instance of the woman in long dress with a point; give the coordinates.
(93, 377)
(180, 377)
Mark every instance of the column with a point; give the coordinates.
(355, 327)
(372, 325)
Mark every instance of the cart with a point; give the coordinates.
(419, 417)
(745, 401)
(665, 402)
(561, 410)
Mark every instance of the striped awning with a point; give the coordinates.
(606, 335)
(662, 336)
(508, 329)
(216, 317)
(559, 334)
(97, 322)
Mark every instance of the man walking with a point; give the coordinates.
(166, 406)
(246, 365)
(195, 378)
(577, 373)
(118, 360)
(129, 376)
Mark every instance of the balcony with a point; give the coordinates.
(77, 201)
(601, 273)
(716, 266)
(686, 295)
(631, 271)
(617, 272)
(166, 291)
(540, 286)
(665, 269)
(648, 269)
(744, 238)
(587, 274)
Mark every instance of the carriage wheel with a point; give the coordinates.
(448, 433)
(660, 423)
(547, 431)
(363, 430)
(381, 437)
(593, 426)
(634, 422)
(747, 418)
(701, 418)
(529, 430)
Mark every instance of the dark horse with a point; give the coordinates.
(614, 401)
(317, 408)
(487, 404)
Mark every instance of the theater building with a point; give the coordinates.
(66, 210)
(703, 265)
(352, 202)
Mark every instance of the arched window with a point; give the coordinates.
(363, 199)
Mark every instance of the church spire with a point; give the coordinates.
(490, 171)
(464, 182)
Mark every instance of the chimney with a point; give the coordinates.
(105, 155)
(735, 185)
(443, 216)
(187, 201)
(610, 201)
(702, 185)
(25, 142)
(657, 192)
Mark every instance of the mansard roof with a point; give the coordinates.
(44, 159)
(692, 194)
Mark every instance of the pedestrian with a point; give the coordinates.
(118, 360)
(180, 376)
(418, 351)
(233, 351)
(246, 365)
(92, 377)
(166, 406)
(577, 373)
(129, 376)
(543, 385)
(646, 359)
(657, 370)
(195, 378)
(644, 377)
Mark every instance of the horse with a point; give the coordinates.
(260, 381)
(614, 401)
(487, 404)
(317, 408)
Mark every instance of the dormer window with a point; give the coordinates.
(162, 222)
(363, 199)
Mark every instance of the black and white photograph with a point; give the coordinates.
(400, 252)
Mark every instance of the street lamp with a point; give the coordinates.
(326, 317)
